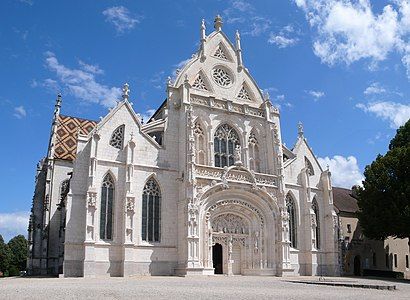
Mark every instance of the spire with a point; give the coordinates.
(125, 92)
(203, 39)
(300, 129)
(239, 50)
(218, 23)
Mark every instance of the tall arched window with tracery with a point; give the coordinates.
(151, 212)
(254, 159)
(225, 141)
(291, 208)
(315, 208)
(106, 210)
(200, 155)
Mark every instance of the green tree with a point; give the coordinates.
(5, 257)
(384, 200)
(18, 247)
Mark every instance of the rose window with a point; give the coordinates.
(221, 77)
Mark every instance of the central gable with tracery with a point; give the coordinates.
(217, 70)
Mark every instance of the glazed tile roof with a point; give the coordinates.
(67, 133)
(344, 201)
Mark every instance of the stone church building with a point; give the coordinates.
(206, 186)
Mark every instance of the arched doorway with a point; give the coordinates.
(217, 258)
(236, 259)
(357, 266)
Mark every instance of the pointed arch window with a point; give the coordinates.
(117, 137)
(200, 157)
(151, 212)
(199, 83)
(106, 211)
(309, 167)
(291, 209)
(225, 141)
(254, 159)
(315, 208)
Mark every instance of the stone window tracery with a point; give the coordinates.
(309, 167)
(254, 159)
(315, 208)
(117, 137)
(199, 83)
(229, 223)
(220, 53)
(225, 141)
(221, 77)
(200, 157)
(151, 212)
(244, 94)
(291, 208)
(106, 211)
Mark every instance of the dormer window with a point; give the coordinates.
(117, 137)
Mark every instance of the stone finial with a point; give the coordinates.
(300, 129)
(125, 92)
(203, 28)
(238, 40)
(266, 96)
(218, 23)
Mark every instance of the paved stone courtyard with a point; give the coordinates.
(212, 287)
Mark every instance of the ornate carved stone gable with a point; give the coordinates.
(244, 94)
(199, 83)
(230, 223)
(220, 52)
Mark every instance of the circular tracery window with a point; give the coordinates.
(221, 77)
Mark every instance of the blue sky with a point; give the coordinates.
(340, 67)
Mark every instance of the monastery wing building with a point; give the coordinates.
(206, 186)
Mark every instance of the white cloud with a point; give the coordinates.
(243, 12)
(286, 37)
(396, 113)
(20, 112)
(121, 18)
(374, 89)
(345, 170)
(82, 83)
(316, 94)
(12, 224)
(348, 31)
(145, 116)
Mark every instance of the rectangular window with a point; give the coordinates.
(109, 213)
(407, 261)
(349, 228)
(374, 259)
(156, 219)
(395, 260)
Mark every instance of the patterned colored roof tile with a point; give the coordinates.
(67, 133)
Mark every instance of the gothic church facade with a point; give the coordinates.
(206, 186)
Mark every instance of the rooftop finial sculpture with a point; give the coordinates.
(300, 129)
(218, 23)
(125, 91)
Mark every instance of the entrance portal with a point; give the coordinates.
(217, 258)
(236, 257)
(357, 266)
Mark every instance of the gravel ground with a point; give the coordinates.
(215, 287)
